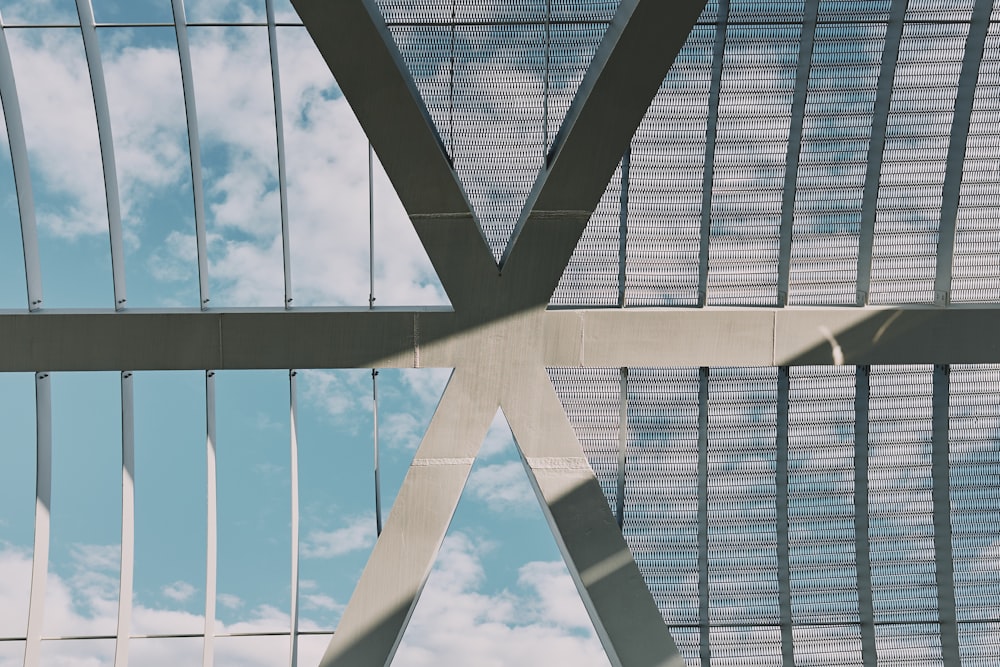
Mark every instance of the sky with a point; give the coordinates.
(499, 593)
(499, 590)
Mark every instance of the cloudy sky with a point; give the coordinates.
(499, 593)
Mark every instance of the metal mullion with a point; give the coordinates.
(128, 522)
(703, 599)
(43, 505)
(794, 147)
(711, 131)
(866, 613)
(92, 50)
(941, 495)
(294, 453)
(623, 226)
(876, 147)
(279, 126)
(194, 147)
(22, 174)
(211, 541)
(952, 189)
(781, 518)
(623, 433)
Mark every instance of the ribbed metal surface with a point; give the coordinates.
(758, 79)
(661, 488)
(974, 462)
(976, 268)
(821, 531)
(666, 181)
(836, 128)
(592, 400)
(909, 199)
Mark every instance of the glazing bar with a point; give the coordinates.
(794, 147)
(93, 52)
(22, 174)
(711, 131)
(703, 608)
(128, 523)
(941, 495)
(781, 519)
(194, 147)
(279, 126)
(43, 505)
(212, 538)
(294, 450)
(876, 147)
(952, 189)
(623, 432)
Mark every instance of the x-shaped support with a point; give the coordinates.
(499, 317)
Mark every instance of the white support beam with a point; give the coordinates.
(43, 507)
(211, 523)
(127, 567)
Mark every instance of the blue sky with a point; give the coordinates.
(500, 590)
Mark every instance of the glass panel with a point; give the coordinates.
(11, 654)
(150, 131)
(327, 162)
(758, 80)
(66, 169)
(284, 12)
(312, 647)
(336, 491)
(132, 11)
(232, 70)
(225, 11)
(170, 526)
(254, 501)
(244, 651)
(85, 552)
(77, 652)
(13, 292)
(158, 652)
(17, 500)
(39, 12)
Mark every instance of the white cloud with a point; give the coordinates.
(229, 601)
(357, 535)
(499, 439)
(502, 486)
(179, 591)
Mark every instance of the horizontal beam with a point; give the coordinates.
(54, 340)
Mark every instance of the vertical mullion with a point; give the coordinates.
(22, 174)
(128, 522)
(876, 147)
(92, 50)
(623, 432)
(794, 148)
(941, 495)
(194, 147)
(866, 609)
(43, 505)
(703, 609)
(623, 225)
(781, 519)
(378, 480)
(294, 451)
(211, 542)
(718, 55)
(952, 189)
(279, 126)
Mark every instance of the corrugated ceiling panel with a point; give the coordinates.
(765, 11)
(738, 647)
(661, 489)
(901, 515)
(904, 256)
(976, 267)
(758, 79)
(666, 182)
(833, 160)
(846, 11)
(974, 458)
(821, 535)
(591, 398)
(742, 531)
